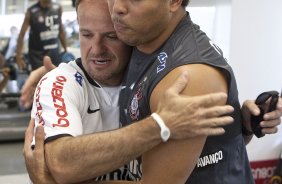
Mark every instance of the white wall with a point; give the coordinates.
(256, 45)
(214, 17)
(256, 57)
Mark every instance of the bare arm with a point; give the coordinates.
(20, 43)
(174, 161)
(62, 34)
(81, 158)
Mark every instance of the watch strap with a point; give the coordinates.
(165, 132)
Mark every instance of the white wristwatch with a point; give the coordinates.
(165, 132)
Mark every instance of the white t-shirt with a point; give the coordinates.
(70, 103)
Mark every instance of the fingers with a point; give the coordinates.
(217, 122)
(30, 129)
(279, 104)
(26, 95)
(213, 126)
(274, 114)
(216, 111)
(271, 123)
(39, 138)
(251, 107)
(271, 126)
(28, 136)
(48, 63)
(211, 131)
(180, 83)
(272, 130)
(211, 99)
(272, 120)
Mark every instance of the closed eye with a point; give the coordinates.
(112, 36)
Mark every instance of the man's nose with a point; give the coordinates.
(98, 46)
(118, 6)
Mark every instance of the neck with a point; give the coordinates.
(153, 45)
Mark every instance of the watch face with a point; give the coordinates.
(165, 134)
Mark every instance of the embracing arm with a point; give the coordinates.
(75, 159)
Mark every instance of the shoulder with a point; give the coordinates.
(64, 70)
(34, 8)
(202, 79)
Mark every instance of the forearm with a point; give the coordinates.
(63, 40)
(81, 158)
(20, 41)
(19, 46)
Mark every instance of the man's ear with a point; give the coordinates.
(175, 4)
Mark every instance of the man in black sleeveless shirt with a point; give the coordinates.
(166, 43)
(46, 30)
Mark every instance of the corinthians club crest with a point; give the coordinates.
(135, 102)
(134, 105)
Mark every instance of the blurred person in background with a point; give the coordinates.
(44, 19)
(9, 49)
(4, 76)
(8, 73)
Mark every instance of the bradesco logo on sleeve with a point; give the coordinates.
(59, 102)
